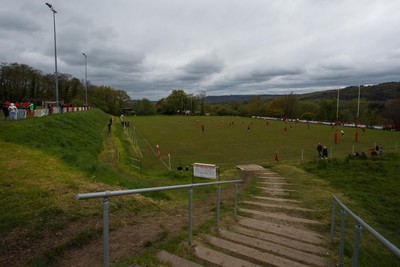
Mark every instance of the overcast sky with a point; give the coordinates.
(151, 47)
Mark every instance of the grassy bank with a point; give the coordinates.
(369, 187)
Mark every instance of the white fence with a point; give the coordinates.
(24, 113)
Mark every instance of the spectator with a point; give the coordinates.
(5, 111)
(31, 108)
(13, 111)
(324, 152)
(319, 149)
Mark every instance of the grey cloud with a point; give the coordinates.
(14, 22)
(201, 67)
(224, 47)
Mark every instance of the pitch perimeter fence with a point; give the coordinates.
(26, 113)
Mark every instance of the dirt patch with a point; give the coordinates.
(17, 248)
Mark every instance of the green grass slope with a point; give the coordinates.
(44, 163)
(370, 189)
(76, 138)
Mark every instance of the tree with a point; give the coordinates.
(307, 107)
(144, 107)
(20, 82)
(256, 106)
(392, 112)
(275, 108)
(174, 103)
(202, 100)
(309, 116)
(285, 106)
(110, 100)
(290, 105)
(374, 110)
(327, 110)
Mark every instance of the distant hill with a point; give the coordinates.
(379, 92)
(227, 98)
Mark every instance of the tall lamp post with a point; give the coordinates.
(55, 51)
(86, 85)
(337, 102)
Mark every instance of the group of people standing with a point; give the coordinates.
(11, 109)
(322, 151)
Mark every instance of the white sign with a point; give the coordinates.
(205, 170)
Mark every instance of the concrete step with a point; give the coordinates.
(262, 256)
(283, 230)
(174, 260)
(279, 216)
(275, 179)
(221, 259)
(269, 174)
(275, 206)
(275, 183)
(274, 248)
(277, 189)
(250, 167)
(275, 192)
(299, 245)
(278, 199)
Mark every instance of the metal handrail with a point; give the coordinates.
(107, 194)
(360, 224)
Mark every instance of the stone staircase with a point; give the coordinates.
(271, 231)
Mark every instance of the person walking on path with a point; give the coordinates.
(319, 149)
(109, 126)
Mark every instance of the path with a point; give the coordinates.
(271, 230)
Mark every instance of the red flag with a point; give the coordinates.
(276, 155)
(158, 152)
(335, 140)
(356, 135)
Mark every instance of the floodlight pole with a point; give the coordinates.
(358, 105)
(86, 84)
(337, 104)
(55, 51)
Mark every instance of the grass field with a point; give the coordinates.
(44, 162)
(228, 146)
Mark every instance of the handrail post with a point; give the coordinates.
(106, 251)
(218, 205)
(357, 236)
(341, 252)
(190, 215)
(235, 208)
(333, 219)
